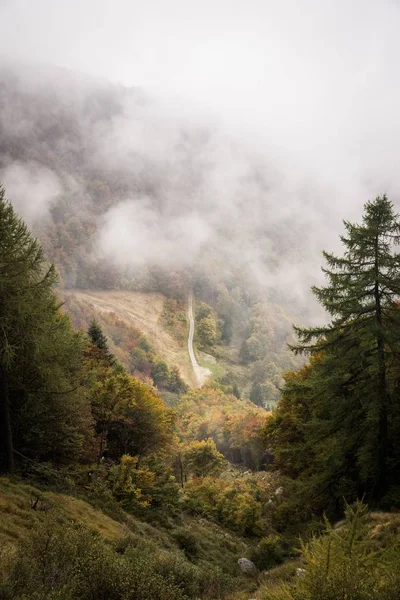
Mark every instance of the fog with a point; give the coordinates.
(29, 180)
(249, 121)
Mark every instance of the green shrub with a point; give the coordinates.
(268, 553)
(187, 542)
(196, 581)
(62, 561)
(65, 561)
(183, 574)
(346, 563)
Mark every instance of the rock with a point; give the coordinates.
(301, 572)
(246, 566)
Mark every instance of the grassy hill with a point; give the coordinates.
(186, 548)
(143, 311)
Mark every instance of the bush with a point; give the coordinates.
(268, 553)
(62, 561)
(346, 563)
(196, 581)
(187, 542)
(239, 504)
(183, 574)
(65, 561)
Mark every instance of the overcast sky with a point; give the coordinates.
(314, 81)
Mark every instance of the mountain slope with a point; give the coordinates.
(145, 312)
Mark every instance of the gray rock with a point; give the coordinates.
(246, 566)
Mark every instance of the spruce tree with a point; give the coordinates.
(24, 282)
(97, 337)
(352, 387)
(43, 413)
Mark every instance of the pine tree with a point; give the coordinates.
(41, 407)
(24, 280)
(97, 336)
(353, 384)
(256, 395)
(98, 339)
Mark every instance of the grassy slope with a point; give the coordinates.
(144, 311)
(165, 326)
(18, 518)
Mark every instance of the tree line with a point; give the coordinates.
(63, 396)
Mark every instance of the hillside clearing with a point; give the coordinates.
(144, 311)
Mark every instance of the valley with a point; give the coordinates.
(195, 404)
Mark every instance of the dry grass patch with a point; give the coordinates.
(18, 517)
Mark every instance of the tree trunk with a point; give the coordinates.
(102, 435)
(5, 423)
(381, 476)
(181, 470)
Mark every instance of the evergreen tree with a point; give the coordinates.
(98, 339)
(236, 391)
(352, 389)
(256, 395)
(97, 336)
(24, 282)
(40, 355)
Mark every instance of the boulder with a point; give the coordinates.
(246, 566)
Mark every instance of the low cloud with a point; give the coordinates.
(32, 187)
(133, 234)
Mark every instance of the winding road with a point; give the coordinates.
(201, 373)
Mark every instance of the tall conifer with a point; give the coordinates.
(24, 279)
(353, 385)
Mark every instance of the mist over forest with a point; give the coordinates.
(154, 189)
(199, 300)
(251, 164)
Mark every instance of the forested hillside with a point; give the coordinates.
(115, 185)
(100, 170)
(73, 420)
(199, 300)
(207, 496)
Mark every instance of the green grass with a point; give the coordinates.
(18, 517)
(216, 546)
(217, 369)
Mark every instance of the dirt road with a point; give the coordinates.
(144, 311)
(201, 373)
